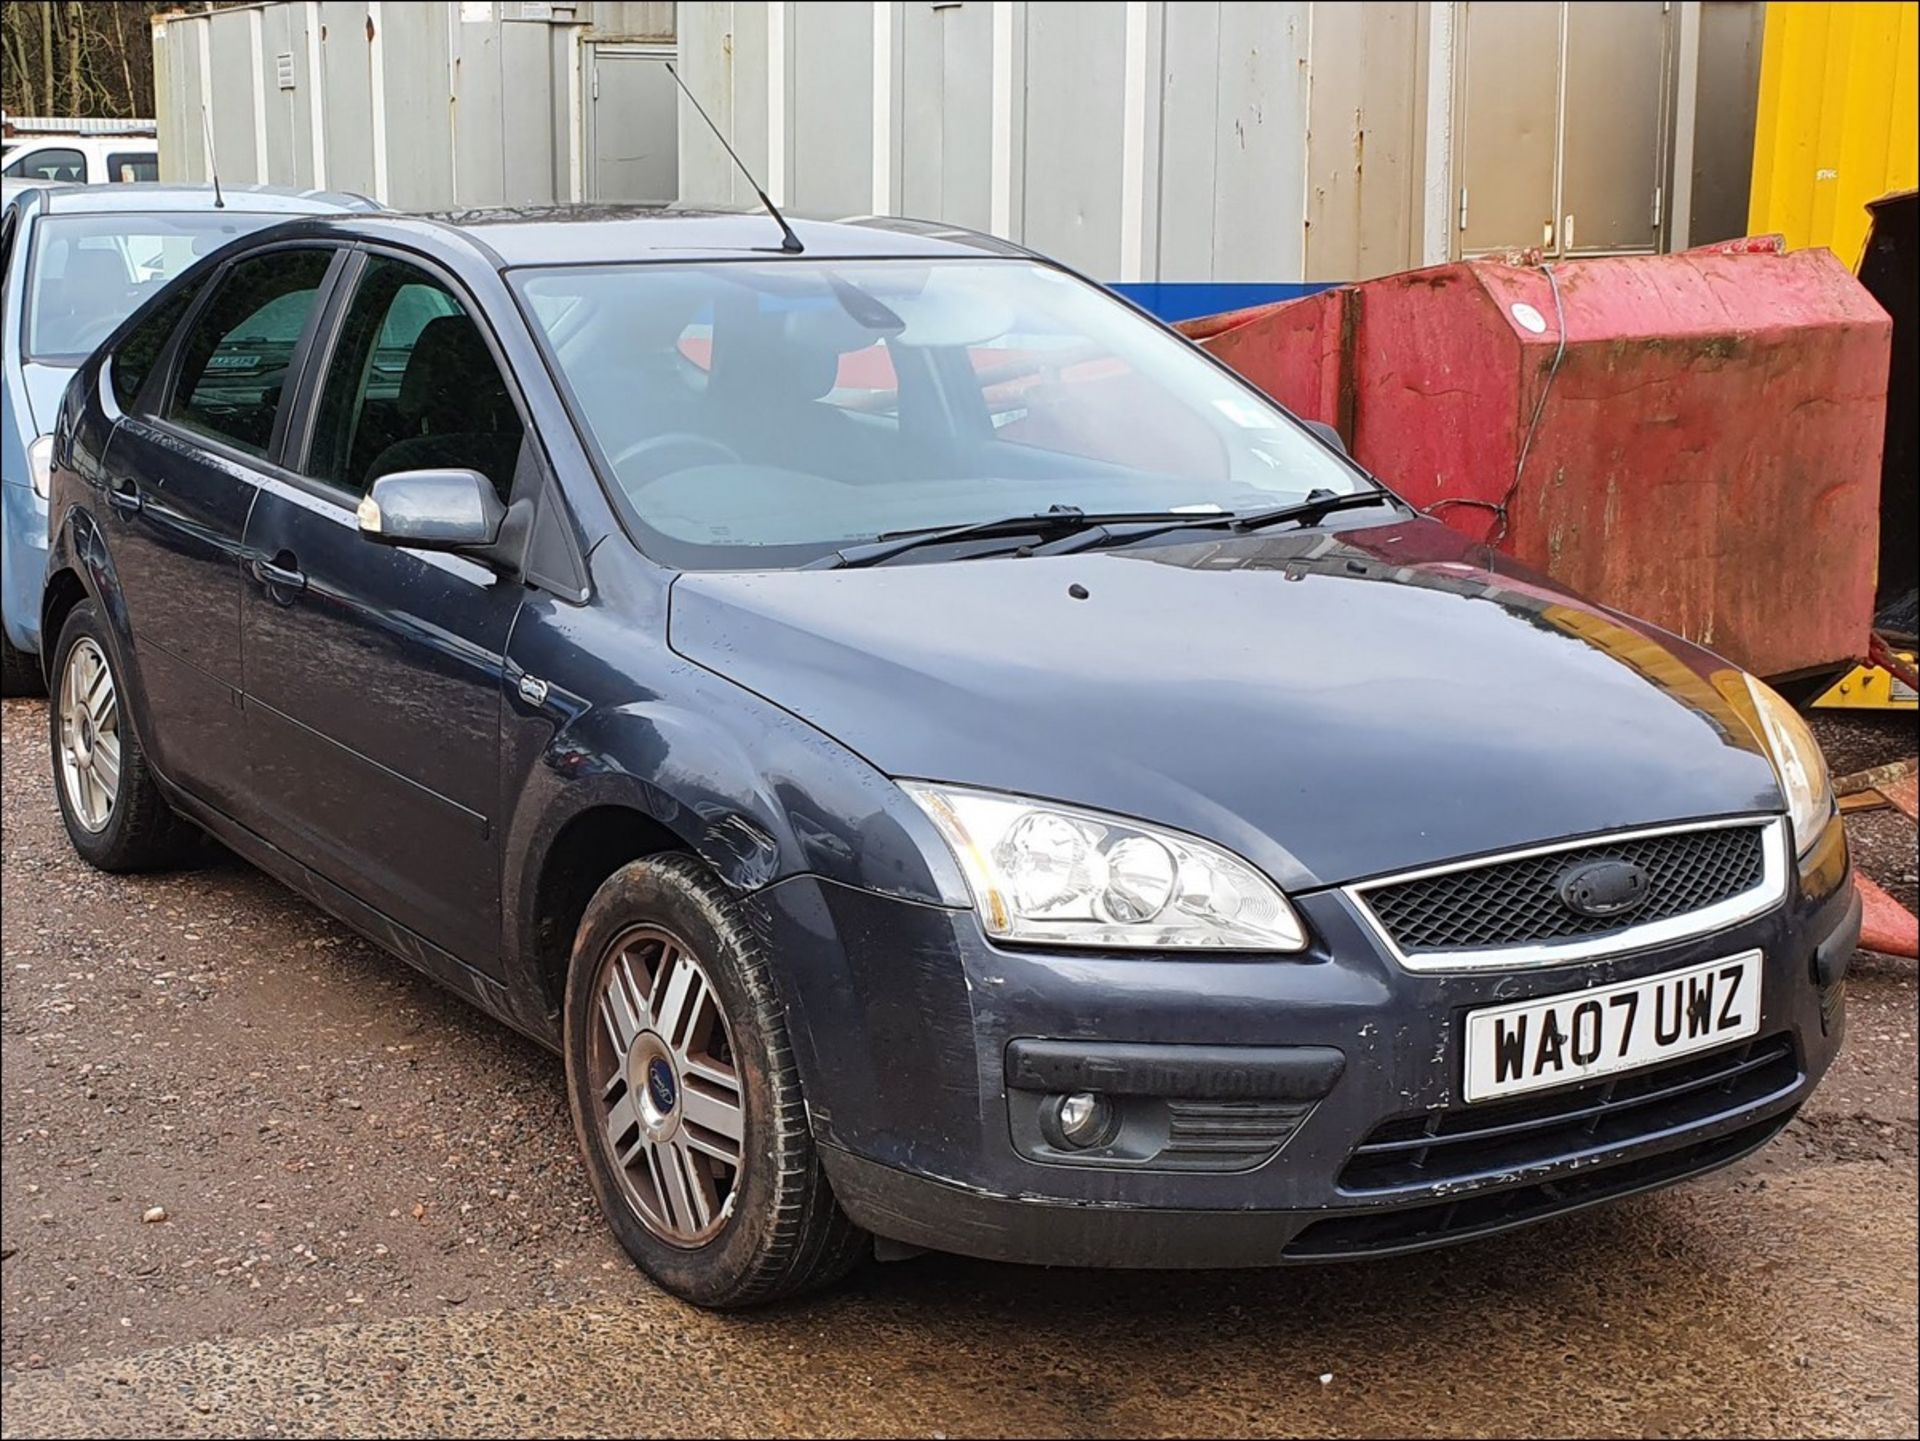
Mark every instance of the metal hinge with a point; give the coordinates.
(1463, 207)
(596, 83)
(1659, 196)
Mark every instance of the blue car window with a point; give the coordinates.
(91, 271)
(234, 363)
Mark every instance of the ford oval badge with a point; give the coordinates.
(1603, 888)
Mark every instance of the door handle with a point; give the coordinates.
(123, 493)
(281, 576)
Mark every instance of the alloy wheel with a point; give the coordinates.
(662, 1063)
(89, 735)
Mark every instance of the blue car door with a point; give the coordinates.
(373, 673)
(183, 468)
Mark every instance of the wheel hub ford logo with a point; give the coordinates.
(660, 1085)
(1603, 888)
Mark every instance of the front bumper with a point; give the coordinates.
(905, 1020)
(23, 564)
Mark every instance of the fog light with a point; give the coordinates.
(1077, 1122)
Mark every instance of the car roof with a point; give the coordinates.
(604, 234)
(150, 198)
(15, 185)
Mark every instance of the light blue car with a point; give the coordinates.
(76, 261)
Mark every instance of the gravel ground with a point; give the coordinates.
(374, 1222)
(1882, 840)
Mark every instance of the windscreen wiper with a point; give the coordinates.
(1052, 523)
(1319, 502)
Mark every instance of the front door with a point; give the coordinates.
(633, 145)
(373, 673)
(182, 470)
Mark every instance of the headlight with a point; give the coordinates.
(40, 466)
(1797, 761)
(1062, 876)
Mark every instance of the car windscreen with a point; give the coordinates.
(89, 272)
(760, 414)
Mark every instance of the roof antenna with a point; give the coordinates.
(789, 242)
(213, 161)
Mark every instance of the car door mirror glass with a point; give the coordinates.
(432, 510)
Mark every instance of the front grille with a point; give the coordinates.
(1453, 1147)
(1517, 902)
(1406, 1228)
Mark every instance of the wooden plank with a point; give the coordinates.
(1862, 801)
(1875, 778)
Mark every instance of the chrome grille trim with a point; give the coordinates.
(1721, 914)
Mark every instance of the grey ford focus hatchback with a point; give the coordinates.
(941, 759)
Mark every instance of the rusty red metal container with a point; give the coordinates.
(1692, 438)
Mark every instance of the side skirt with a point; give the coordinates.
(375, 925)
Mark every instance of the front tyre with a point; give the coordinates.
(685, 1098)
(114, 812)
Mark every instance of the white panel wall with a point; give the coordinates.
(421, 105)
(1233, 94)
(1153, 140)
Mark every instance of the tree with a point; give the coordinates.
(80, 57)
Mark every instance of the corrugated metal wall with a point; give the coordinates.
(1836, 123)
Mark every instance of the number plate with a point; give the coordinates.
(1562, 1040)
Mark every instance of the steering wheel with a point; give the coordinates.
(669, 451)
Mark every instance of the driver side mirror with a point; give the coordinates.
(1328, 435)
(432, 510)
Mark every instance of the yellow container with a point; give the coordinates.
(1837, 118)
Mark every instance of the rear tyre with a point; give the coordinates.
(685, 1097)
(19, 672)
(114, 812)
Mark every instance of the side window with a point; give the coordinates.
(133, 359)
(411, 386)
(233, 365)
(7, 229)
(50, 163)
(133, 166)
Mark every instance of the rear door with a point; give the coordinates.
(373, 674)
(200, 436)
